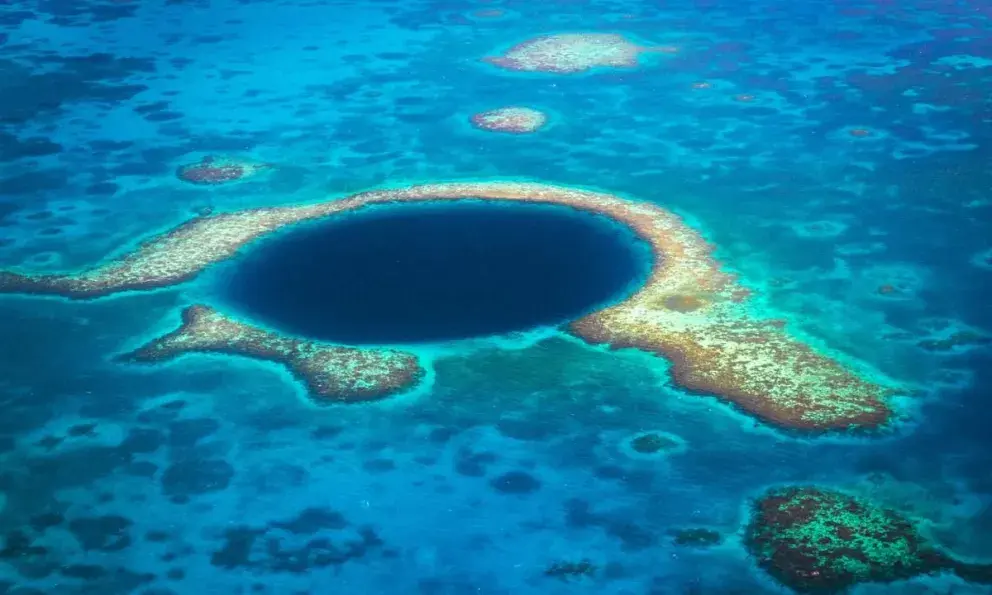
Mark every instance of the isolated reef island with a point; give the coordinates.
(512, 120)
(569, 53)
(822, 541)
(688, 311)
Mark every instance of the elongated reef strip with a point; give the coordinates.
(331, 373)
(688, 311)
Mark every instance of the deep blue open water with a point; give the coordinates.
(850, 188)
(434, 273)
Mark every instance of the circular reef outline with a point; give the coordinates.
(689, 311)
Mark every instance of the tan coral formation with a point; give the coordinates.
(688, 311)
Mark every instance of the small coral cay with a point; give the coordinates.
(219, 170)
(819, 541)
(331, 373)
(515, 120)
(717, 346)
(568, 53)
(569, 571)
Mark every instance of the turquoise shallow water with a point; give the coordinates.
(837, 156)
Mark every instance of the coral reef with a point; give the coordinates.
(717, 346)
(819, 541)
(569, 53)
(331, 373)
(514, 120)
(218, 170)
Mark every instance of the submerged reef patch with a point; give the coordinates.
(718, 346)
(569, 53)
(652, 445)
(513, 120)
(820, 541)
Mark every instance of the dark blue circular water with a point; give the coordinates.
(428, 272)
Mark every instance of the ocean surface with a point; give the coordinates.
(835, 155)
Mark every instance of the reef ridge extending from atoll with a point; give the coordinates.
(689, 310)
(331, 373)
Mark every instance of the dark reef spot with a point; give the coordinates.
(34, 182)
(442, 435)
(102, 189)
(473, 464)
(326, 432)
(632, 535)
(523, 429)
(165, 116)
(652, 443)
(515, 482)
(280, 477)
(313, 520)
(142, 441)
(698, 537)
(142, 469)
(110, 145)
(81, 430)
(106, 533)
(568, 571)
(186, 433)
(238, 544)
(12, 148)
(196, 476)
(45, 521)
(379, 465)
(83, 571)
(18, 546)
(317, 538)
(148, 108)
(429, 272)
(46, 82)
(157, 536)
